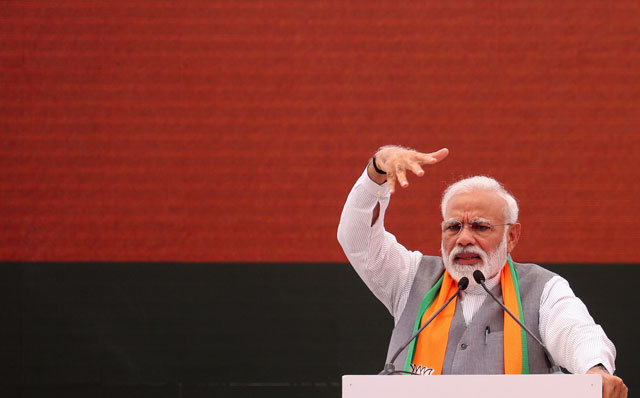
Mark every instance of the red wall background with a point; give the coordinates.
(233, 130)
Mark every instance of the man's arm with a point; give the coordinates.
(385, 266)
(574, 340)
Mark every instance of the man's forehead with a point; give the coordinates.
(478, 204)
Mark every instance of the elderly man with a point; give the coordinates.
(473, 334)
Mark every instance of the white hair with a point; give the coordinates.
(482, 183)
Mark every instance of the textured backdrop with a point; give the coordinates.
(233, 130)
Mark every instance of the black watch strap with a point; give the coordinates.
(375, 166)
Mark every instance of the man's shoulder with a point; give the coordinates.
(431, 261)
(526, 270)
(430, 267)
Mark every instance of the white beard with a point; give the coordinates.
(489, 264)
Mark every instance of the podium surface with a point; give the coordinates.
(477, 386)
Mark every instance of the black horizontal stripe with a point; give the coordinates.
(218, 327)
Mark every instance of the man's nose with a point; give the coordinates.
(466, 236)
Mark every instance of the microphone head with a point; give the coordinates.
(478, 276)
(463, 283)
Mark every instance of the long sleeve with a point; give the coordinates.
(574, 340)
(385, 266)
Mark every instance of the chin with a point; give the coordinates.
(458, 271)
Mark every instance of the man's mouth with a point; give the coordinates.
(467, 258)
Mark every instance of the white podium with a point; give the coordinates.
(476, 386)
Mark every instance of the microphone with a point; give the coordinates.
(389, 368)
(479, 278)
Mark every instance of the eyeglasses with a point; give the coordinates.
(478, 227)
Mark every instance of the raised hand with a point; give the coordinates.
(396, 160)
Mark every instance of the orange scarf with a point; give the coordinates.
(429, 351)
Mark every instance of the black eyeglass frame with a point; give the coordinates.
(477, 229)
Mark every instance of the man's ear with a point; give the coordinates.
(513, 236)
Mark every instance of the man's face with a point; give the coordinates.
(469, 250)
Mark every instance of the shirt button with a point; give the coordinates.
(463, 346)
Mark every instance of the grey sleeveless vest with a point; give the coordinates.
(470, 350)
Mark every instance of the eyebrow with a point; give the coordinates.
(452, 220)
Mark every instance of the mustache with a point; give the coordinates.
(467, 250)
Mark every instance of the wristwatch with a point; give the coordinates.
(375, 166)
(601, 367)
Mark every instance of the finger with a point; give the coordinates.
(606, 390)
(622, 389)
(401, 175)
(391, 181)
(439, 155)
(431, 158)
(416, 169)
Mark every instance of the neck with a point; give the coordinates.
(476, 289)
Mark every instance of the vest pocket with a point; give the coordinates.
(493, 355)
